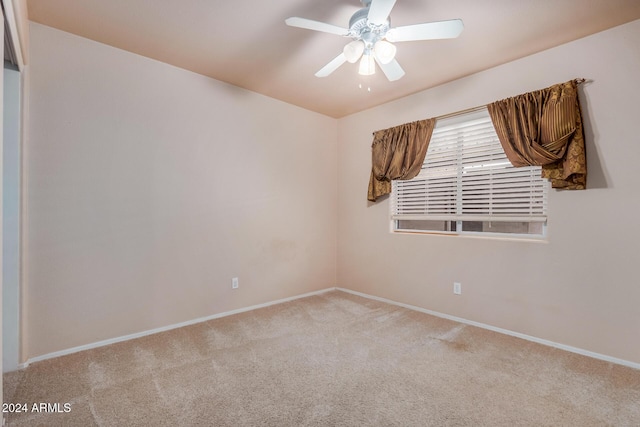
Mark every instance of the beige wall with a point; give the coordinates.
(149, 187)
(581, 288)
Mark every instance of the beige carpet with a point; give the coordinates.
(328, 360)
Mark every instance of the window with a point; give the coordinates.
(467, 185)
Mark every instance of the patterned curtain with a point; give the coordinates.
(398, 153)
(544, 128)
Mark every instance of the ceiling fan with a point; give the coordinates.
(372, 38)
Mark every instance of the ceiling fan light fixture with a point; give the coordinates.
(367, 65)
(353, 51)
(384, 51)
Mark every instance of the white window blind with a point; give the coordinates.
(466, 176)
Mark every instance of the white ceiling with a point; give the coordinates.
(246, 42)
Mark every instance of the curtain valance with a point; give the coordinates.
(540, 128)
(544, 128)
(398, 153)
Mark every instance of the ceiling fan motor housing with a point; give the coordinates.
(361, 29)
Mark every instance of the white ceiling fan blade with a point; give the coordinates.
(392, 70)
(427, 31)
(316, 26)
(379, 11)
(332, 66)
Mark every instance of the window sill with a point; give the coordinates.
(483, 236)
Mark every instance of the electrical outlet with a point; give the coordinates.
(457, 288)
(234, 283)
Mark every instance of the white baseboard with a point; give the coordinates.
(501, 330)
(165, 328)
